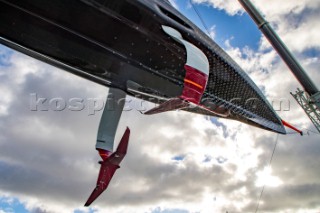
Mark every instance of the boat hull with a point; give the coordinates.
(120, 43)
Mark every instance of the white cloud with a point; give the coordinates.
(48, 161)
(265, 178)
(174, 4)
(295, 21)
(231, 7)
(212, 32)
(45, 152)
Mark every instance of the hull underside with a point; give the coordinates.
(119, 43)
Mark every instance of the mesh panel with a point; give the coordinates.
(228, 85)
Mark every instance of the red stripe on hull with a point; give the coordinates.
(195, 83)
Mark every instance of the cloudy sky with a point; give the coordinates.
(177, 162)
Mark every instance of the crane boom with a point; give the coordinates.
(310, 102)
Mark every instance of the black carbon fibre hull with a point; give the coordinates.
(119, 41)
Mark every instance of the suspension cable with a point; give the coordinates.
(200, 17)
(262, 190)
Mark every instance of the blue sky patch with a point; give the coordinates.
(216, 121)
(159, 210)
(5, 54)
(221, 160)
(207, 159)
(13, 205)
(311, 53)
(239, 29)
(179, 158)
(80, 211)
